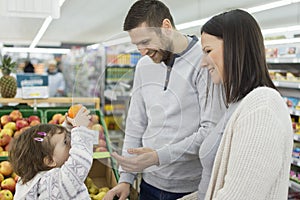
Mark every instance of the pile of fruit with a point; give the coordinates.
(14, 124)
(8, 180)
(95, 192)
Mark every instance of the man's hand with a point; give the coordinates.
(121, 190)
(145, 158)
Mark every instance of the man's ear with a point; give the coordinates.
(167, 27)
(49, 162)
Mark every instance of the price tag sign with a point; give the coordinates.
(33, 86)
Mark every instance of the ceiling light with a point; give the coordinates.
(41, 32)
(35, 50)
(282, 41)
(252, 10)
(280, 30)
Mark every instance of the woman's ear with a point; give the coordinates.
(49, 162)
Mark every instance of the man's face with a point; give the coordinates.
(151, 42)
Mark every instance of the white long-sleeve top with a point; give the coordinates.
(253, 159)
(66, 182)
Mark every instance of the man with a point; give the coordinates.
(172, 107)
(57, 83)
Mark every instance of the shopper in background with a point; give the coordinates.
(253, 159)
(56, 79)
(52, 162)
(170, 110)
(29, 68)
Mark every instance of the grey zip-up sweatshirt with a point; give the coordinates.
(174, 121)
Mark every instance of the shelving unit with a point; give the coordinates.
(119, 74)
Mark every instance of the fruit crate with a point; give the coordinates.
(25, 113)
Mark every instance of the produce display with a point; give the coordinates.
(14, 122)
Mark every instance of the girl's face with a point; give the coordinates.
(62, 143)
(213, 57)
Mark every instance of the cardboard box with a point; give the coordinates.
(102, 174)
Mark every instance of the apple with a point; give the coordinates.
(7, 147)
(4, 139)
(94, 119)
(21, 123)
(1, 178)
(101, 149)
(24, 128)
(7, 131)
(14, 176)
(8, 184)
(53, 121)
(61, 119)
(6, 195)
(6, 168)
(10, 125)
(33, 117)
(101, 143)
(5, 119)
(34, 122)
(56, 117)
(15, 115)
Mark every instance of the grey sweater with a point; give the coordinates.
(174, 122)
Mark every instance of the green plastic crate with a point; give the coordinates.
(25, 113)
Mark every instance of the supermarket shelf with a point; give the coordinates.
(295, 186)
(294, 112)
(297, 137)
(287, 84)
(296, 161)
(66, 100)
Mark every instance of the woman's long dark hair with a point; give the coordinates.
(245, 66)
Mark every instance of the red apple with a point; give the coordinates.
(33, 117)
(4, 139)
(6, 195)
(6, 168)
(21, 123)
(5, 119)
(7, 147)
(34, 122)
(101, 143)
(8, 184)
(15, 115)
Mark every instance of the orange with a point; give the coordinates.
(73, 110)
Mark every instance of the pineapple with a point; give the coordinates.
(8, 84)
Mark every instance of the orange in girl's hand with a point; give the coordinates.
(73, 110)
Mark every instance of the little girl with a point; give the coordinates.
(53, 162)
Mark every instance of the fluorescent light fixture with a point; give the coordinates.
(282, 41)
(117, 41)
(252, 10)
(35, 50)
(41, 32)
(200, 22)
(281, 30)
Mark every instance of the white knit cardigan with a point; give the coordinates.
(253, 160)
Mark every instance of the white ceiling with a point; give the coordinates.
(95, 21)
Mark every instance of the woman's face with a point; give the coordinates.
(213, 57)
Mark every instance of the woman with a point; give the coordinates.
(253, 159)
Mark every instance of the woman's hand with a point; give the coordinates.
(145, 158)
